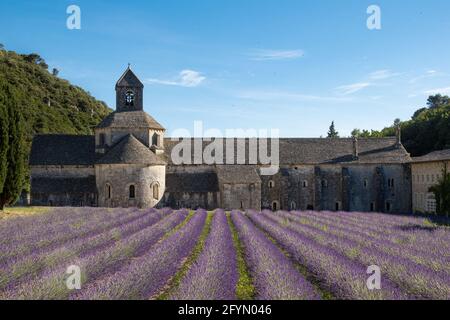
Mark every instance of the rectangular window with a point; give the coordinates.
(102, 139)
(388, 206)
(337, 206)
(431, 205)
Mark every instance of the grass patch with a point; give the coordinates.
(178, 227)
(176, 280)
(13, 212)
(245, 289)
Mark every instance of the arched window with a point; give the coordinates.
(156, 140)
(275, 206)
(155, 190)
(129, 98)
(305, 183)
(108, 191)
(132, 192)
(271, 184)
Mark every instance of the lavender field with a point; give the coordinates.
(181, 254)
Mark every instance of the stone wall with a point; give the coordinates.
(328, 187)
(112, 136)
(424, 176)
(191, 186)
(353, 187)
(120, 177)
(356, 187)
(369, 189)
(241, 196)
(65, 199)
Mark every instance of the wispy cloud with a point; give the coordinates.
(445, 91)
(186, 78)
(428, 74)
(262, 95)
(382, 74)
(267, 55)
(352, 88)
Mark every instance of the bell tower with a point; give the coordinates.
(129, 92)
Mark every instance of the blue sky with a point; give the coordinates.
(287, 64)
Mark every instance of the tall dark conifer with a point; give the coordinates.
(16, 170)
(4, 136)
(332, 133)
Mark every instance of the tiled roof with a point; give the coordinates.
(441, 155)
(129, 79)
(129, 150)
(62, 150)
(130, 119)
(80, 150)
(316, 150)
(238, 174)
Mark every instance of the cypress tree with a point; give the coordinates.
(332, 133)
(15, 155)
(4, 136)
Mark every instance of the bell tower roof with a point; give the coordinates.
(129, 79)
(129, 92)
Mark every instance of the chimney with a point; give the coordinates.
(398, 136)
(355, 148)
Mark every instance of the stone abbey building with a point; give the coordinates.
(128, 163)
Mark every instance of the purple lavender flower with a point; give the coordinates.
(23, 268)
(97, 264)
(214, 275)
(275, 276)
(345, 278)
(146, 276)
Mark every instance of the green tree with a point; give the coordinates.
(16, 164)
(356, 133)
(4, 137)
(332, 133)
(55, 72)
(36, 59)
(437, 101)
(442, 193)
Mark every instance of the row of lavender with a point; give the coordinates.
(337, 248)
(130, 254)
